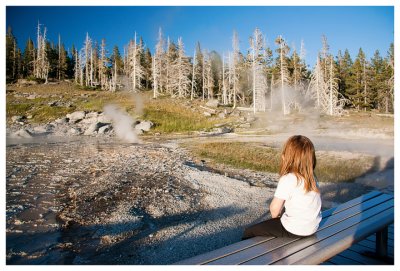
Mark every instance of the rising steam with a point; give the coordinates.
(123, 124)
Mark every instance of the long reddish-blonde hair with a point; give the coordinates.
(298, 157)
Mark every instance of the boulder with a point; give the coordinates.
(144, 126)
(103, 118)
(104, 129)
(54, 103)
(22, 133)
(74, 131)
(61, 120)
(76, 116)
(94, 127)
(207, 114)
(91, 115)
(212, 103)
(17, 118)
(222, 130)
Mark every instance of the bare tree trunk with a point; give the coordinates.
(193, 74)
(365, 88)
(59, 57)
(204, 79)
(331, 89)
(282, 80)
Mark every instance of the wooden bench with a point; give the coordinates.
(340, 227)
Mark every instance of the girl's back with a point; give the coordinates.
(302, 209)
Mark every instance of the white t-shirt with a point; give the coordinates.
(302, 210)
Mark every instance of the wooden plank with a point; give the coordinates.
(351, 203)
(360, 258)
(341, 260)
(357, 209)
(329, 247)
(314, 244)
(224, 251)
(247, 254)
(261, 249)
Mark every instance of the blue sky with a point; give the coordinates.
(345, 27)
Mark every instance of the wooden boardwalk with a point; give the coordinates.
(362, 253)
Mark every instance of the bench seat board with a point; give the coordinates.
(224, 251)
(329, 247)
(273, 244)
(351, 221)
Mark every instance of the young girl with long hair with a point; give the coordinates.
(296, 206)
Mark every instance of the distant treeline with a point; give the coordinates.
(256, 77)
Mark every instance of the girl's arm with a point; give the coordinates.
(276, 207)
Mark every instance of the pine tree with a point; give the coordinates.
(357, 81)
(344, 64)
(148, 68)
(28, 58)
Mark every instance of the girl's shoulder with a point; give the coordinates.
(289, 178)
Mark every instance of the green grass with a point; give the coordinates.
(330, 168)
(172, 116)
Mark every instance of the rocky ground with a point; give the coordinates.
(100, 201)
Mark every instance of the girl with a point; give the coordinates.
(296, 206)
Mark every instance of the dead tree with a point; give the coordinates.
(41, 64)
(258, 77)
(284, 73)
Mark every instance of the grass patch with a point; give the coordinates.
(18, 109)
(170, 116)
(330, 168)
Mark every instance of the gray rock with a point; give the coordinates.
(145, 126)
(74, 131)
(207, 114)
(94, 127)
(91, 115)
(103, 118)
(76, 116)
(22, 133)
(43, 128)
(222, 130)
(17, 118)
(61, 120)
(32, 97)
(104, 129)
(212, 103)
(53, 103)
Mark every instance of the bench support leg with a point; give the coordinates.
(382, 243)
